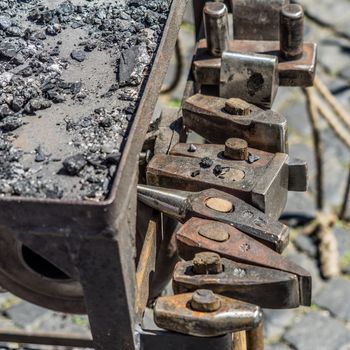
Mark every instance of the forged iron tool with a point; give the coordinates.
(199, 235)
(264, 185)
(296, 60)
(205, 314)
(236, 151)
(258, 285)
(265, 130)
(220, 206)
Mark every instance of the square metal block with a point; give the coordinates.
(251, 77)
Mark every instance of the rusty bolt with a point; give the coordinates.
(204, 300)
(207, 263)
(236, 149)
(215, 232)
(236, 106)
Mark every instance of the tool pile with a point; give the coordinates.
(71, 75)
(229, 192)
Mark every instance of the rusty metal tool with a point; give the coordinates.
(198, 235)
(265, 187)
(258, 285)
(220, 206)
(216, 27)
(265, 130)
(257, 19)
(296, 60)
(236, 151)
(205, 314)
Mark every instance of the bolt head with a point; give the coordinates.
(237, 106)
(236, 149)
(207, 263)
(204, 300)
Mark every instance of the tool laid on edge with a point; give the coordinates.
(264, 187)
(200, 235)
(220, 206)
(205, 314)
(293, 60)
(217, 119)
(236, 151)
(268, 288)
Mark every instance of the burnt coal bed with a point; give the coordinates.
(71, 76)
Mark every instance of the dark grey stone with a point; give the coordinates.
(306, 244)
(276, 322)
(345, 73)
(315, 331)
(310, 265)
(334, 296)
(78, 55)
(27, 315)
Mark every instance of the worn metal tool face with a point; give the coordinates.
(265, 287)
(257, 19)
(251, 77)
(176, 313)
(220, 206)
(198, 235)
(257, 159)
(265, 130)
(296, 72)
(265, 188)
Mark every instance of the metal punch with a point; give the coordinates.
(220, 206)
(265, 130)
(258, 285)
(200, 235)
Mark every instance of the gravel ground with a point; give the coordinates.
(324, 326)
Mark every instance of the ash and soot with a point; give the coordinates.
(71, 76)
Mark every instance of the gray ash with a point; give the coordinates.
(52, 87)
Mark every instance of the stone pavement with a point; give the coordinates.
(326, 325)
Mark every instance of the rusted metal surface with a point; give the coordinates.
(146, 266)
(268, 288)
(257, 19)
(265, 188)
(175, 313)
(249, 76)
(298, 72)
(240, 248)
(265, 130)
(297, 168)
(184, 205)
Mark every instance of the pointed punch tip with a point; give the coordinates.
(169, 201)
